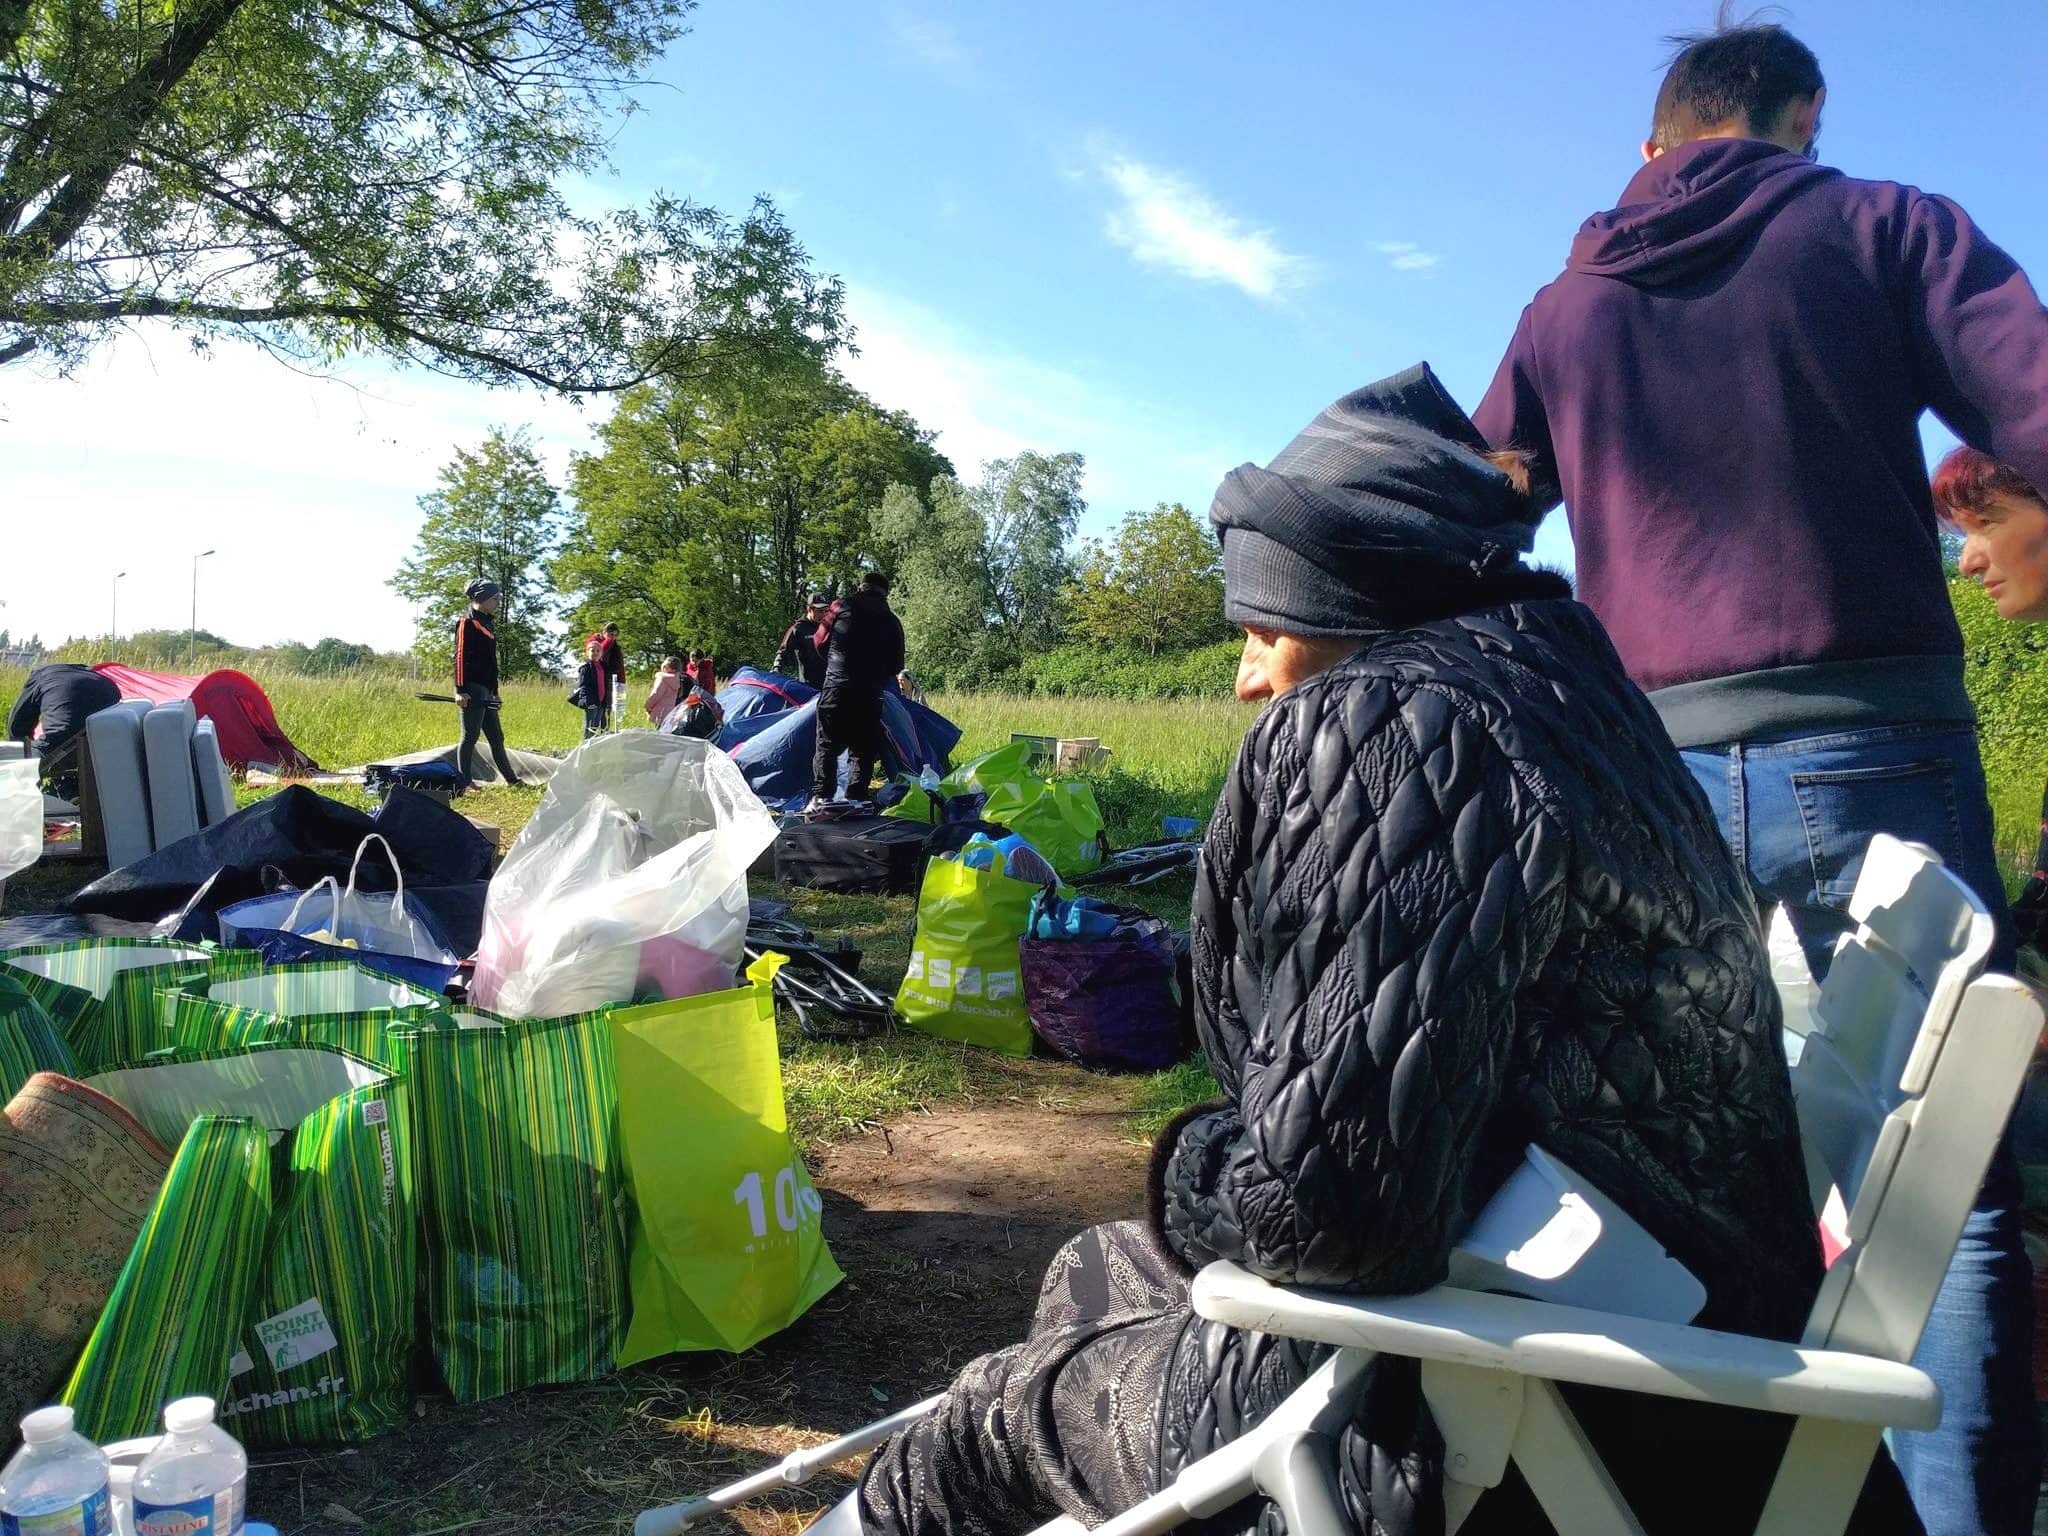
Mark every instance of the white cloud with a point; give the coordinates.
(307, 487)
(1406, 255)
(987, 402)
(1170, 222)
(935, 42)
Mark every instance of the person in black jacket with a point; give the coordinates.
(476, 682)
(1459, 895)
(59, 696)
(799, 656)
(863, 657)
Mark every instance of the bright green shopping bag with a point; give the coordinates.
(965, 980)
(727, 1235)
(1058, 817)
(169, 1329)
(322, 1002)
(522, 1201)
(103, 993)
(29, 1041)
(325, 1343)
(1005, 765)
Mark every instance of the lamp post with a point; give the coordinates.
(192, 653)
(114, 614)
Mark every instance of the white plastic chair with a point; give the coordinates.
(1910, 1071)
(1898, 1130)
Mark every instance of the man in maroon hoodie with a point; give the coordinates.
(1724, 387)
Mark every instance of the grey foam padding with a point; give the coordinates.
(167, 752)
(114, 736)
(216, 789)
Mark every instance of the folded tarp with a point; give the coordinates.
(297, 837)
(532, 767)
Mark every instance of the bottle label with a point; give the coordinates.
(93, 1517)
(217, 1514)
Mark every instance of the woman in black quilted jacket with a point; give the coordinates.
(1458, 896)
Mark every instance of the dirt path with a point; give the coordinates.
(943, 1224)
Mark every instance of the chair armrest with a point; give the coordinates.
(1571, 1344)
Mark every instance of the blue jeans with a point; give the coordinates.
(1799, 814)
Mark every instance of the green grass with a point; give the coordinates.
(1163, 1095)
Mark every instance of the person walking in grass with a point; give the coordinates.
(1724, 387)
(476, 684)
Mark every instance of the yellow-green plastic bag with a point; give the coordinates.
(727, 1240)
(965, 981)
(1058, 817)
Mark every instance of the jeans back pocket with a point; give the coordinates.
(1842, 810)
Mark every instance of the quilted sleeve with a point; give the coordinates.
(1386, 881)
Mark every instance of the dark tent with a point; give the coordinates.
(771, 729)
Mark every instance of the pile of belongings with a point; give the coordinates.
(280, 1183)
(770, 727)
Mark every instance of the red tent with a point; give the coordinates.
(233, 701)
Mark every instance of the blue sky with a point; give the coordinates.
(1161, 234)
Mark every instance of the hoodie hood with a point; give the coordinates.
(1690, 208)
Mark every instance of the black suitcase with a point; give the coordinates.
(858, 854)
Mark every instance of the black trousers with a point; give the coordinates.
(481, 714)
(848, 721)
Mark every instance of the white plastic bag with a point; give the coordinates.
(21, 816)
(629, 884)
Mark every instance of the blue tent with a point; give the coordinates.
(771, 729)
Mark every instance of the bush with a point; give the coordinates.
(1086, 671)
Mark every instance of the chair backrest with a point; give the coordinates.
(1898, 1130)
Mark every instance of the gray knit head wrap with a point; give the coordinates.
(1382, 507)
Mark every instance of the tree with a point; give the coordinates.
(496, 515)
(331, 656)
(711, 504)
(1029, 506)
(1158, 586)
(370, 175)
(937, 553)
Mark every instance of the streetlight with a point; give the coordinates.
(192, 655)
(114, 617)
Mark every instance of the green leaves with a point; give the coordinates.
(371, 175)
(713, 502)
(1157, 587)
(495, 515)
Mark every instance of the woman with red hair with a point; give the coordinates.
(2004, 524)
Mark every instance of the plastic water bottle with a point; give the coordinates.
(195, 1483)
(56, 1485)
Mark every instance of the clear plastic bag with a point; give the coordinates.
(629, 884)
(21, 816)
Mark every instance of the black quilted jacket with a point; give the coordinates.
(1460, 895)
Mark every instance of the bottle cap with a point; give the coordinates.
(188, 1414)
(45, 1425)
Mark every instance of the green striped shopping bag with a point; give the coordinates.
(169, 1329)
(325, 1344)
(522, 1199)
(102, 993)
(29, 1041)
(328, 1003)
